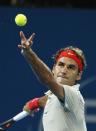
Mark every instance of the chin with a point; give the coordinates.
(63, 82)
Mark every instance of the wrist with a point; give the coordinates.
(33, 104)
(26, 50)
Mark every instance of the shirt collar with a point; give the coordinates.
(77, 86)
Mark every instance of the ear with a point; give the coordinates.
(79, 75)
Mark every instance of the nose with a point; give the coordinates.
(64, 69)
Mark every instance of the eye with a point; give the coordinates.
(71, 67)
(60, 64)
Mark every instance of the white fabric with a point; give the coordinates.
(20, 116)
(67, 116)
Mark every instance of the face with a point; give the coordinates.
(65, 71)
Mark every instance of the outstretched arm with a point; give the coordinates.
(39, 67)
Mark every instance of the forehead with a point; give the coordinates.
(67, 60)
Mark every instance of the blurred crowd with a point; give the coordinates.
(50, 3)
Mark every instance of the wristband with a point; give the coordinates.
(33, 104)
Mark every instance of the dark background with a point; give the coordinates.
(55, 28)
(89, 4)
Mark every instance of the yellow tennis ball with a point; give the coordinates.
(20, 20)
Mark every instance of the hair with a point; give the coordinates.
(77, 51)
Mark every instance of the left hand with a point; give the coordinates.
(26, 43)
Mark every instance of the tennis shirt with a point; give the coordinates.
(65, 116)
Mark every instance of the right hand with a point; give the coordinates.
(31, 112)
(32, 106)
(26, 43)
(26, 108)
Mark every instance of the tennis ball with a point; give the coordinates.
(20, 20)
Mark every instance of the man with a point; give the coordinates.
(63, 104)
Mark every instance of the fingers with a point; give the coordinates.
(26, 43)
(31, 112)
(22, 36)
(30, 40)
(21, 46)
(25, 108)
(31, 37)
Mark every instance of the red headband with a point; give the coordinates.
(71, 54)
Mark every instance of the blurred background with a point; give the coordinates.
(57, 24)
(51, 3)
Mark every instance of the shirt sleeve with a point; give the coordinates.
(72, 99)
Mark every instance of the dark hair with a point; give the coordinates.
(77, 51)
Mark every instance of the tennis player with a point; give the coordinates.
(63, 103)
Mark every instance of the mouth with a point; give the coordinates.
(64, 77)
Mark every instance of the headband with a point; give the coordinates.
(71, 54)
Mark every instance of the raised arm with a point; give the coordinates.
(39, 67)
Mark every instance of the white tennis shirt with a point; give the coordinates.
(67, 116)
